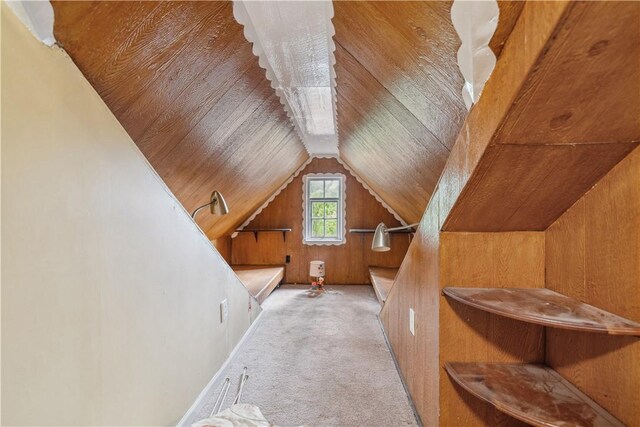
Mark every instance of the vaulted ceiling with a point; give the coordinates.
(182, 80)
(400, 105)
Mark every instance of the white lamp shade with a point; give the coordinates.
(316, 269)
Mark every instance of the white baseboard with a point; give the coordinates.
(218, 375)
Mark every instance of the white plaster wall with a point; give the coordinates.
(110, 292)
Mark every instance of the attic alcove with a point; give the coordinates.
(505, 195)
(524, 202)
(347, 263)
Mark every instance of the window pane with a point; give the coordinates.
(317, 210)
(331, 210)
(316, 189)
(317, 228)
(332, 188)
(331, 228)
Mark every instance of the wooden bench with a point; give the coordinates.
(382, 280)
(260, 280)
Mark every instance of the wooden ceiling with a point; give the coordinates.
(400, 106)
(184, 83)
(182, 80)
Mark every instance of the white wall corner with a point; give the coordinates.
(475, 23)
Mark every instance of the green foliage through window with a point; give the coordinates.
(323, 205)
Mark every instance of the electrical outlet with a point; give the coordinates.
(224, 310)
(412, 321)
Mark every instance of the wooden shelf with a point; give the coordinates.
(382, 280)
(535, 394)
(255, 232)
(260, 280)
(544, 307)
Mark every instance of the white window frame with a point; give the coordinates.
(306, 210)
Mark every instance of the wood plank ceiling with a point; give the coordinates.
(183, 81)
(400, 106)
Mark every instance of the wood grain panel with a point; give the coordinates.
(345, 264)
(532, 393)
(184, 83)
(586, 88)
(526, 187)
(260, 281)
(399, 94)
(544, 307)
(547, 152)
(485, 260)
(223, 246)
(509, 13)
(418, 284)
(417, 287)
(593, 254)
(382, 281)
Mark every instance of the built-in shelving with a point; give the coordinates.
(382, 281)
(535, 394)
(372, 230)
(544, 307)
(255, 231)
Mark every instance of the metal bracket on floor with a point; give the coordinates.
(243, 379)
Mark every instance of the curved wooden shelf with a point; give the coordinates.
(535, 394)
(544, 307)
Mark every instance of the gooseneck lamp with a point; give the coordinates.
(381, 241)
(217, 203)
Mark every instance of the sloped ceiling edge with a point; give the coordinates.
(297, 172)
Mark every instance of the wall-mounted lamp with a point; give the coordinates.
(381, 241)
(217, 203)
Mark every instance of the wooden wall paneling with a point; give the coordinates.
(399, 94)
(509, 13)
(419, 279)
(230, 78)
(364, 30)
(246, 250)
(371, 129)
(160, 54)
(573, 119)
(346, 264)
(417, 287)
(223, 246)
(184, 83)
(526, 187)
(534, 28)
(593, 254)
(485, 260)
(584, 89)
(80, 26)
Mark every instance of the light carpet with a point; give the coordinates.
(319, 361)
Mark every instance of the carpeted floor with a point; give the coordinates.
(319, 361)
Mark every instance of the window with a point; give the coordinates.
(324, 209)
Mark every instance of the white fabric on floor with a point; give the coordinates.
(239, 415)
